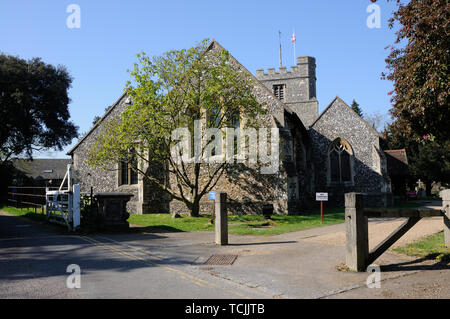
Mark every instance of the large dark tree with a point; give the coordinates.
(33, 107)
(419, 67)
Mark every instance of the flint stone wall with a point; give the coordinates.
(103, 180)
(369, 169)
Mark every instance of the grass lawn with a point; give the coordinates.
(431, 247)
(249, 224)
(240, 224)
(237, 224)
(26, 212)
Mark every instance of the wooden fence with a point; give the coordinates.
(27, 197)
(358, 256)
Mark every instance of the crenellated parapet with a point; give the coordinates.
(296, 87)
(306, 67)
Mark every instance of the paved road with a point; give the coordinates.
(148, 264)
(34, 260)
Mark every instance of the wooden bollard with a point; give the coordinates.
(357, 232)
(445, 195)
(221, 225)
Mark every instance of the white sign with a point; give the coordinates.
(322, 197)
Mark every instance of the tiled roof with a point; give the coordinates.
(397, 162)
(42, 168)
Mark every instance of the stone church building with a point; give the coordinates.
(334, 152)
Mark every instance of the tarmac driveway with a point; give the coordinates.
(149, 264)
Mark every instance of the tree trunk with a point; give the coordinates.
(195, 208)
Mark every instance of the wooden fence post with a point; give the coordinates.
(76, 215)
(445, 195)
(357, 232)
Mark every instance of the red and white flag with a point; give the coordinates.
(293, 38)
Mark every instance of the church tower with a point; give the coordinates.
(296, 87)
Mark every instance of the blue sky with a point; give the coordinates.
(349, 55)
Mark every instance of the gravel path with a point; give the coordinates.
(380, 228)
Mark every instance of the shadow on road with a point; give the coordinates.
(417, 264)
(41, 250)
(265, 243)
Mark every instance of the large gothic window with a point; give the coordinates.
(340, 166)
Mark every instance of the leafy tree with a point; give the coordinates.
(428, 161)
(33, 107)
(355, 107)
(419, 67)
(431, 163)
(169, 92)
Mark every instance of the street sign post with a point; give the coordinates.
(321, 197)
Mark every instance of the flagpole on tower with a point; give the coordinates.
(294, 40)
(279, 37)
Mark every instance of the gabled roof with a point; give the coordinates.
(97, 123)
(218, 45)
(211, 45)
(336, 99)
(397, 162)
(289, 112)
(286, 108)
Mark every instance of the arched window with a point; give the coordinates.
(340, 157)
(236, 124)
(128, 174)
